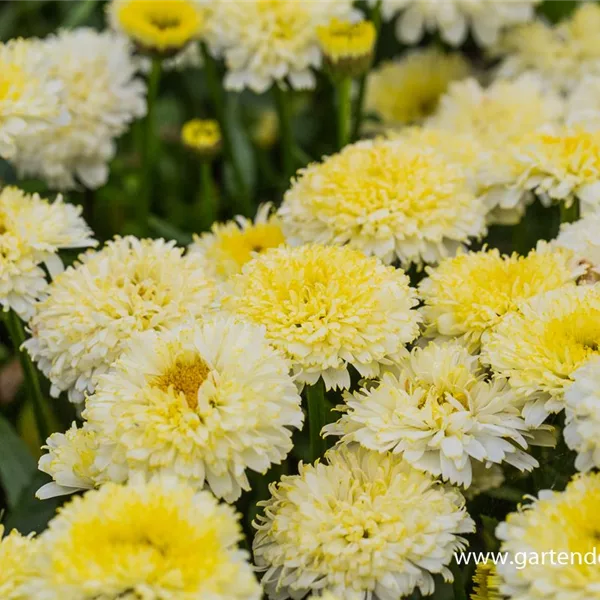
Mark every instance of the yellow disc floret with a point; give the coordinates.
(554, 543)
(163, 26)
(159, 540)
(229, 246)
(467, 295)
(486, 583)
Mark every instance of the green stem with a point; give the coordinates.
(363, 82)
(569, 214)
(282, 102)
(344, 110)
(17, 335)
(317, 418)
(207, 201)
(149, 149)
(458, 584)
(218, 97)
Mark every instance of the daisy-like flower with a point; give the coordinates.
(467, 295)
(582, 431)
(498, 117)
(266, 42)
(583, 104)
(454, 19)
(29, 97)
(16, 561)
(70, 462)
(561, 166)
(562, 54)
(203, 404)
(347, 47)
(328, 308)
(96, 305)
(155, 540)
(161, 27)
(202, 136)
(541, 345)
(583, 238)
(32, 231)
(388, 198)
(359, 525)
(440, 413)
(103, 96)
(486, 582)
(408, 90)
(229, 246)
(553, 524)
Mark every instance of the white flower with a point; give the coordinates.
(202, 403)
(70, 462)
(30, 97)
(498, 117)
(360, 525)
(32, 231)
(440, 414)
(95, 306)
(583, 238)
(103, 97)
(582, 431)
(271, 42)
(454, 18)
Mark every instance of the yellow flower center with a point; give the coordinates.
(161, 24)
(256, 238)
(12, 82)
(185, 377)
(341, 39)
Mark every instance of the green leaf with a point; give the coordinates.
(168, 231)
(17, 465)
(31, 514)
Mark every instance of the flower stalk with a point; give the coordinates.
(282, 102)
(344, 111)
(317, 418)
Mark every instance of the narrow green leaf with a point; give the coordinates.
(17, 465)
(168, 231)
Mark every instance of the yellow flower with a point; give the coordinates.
(229, 246)
(158, 540)
(390, 198)
(265, 130)
(162, 26)
(408, 90)
(203, 403)
(486, 583)
(536, 535)
(16, 557)
(468, 295)
(561, 166)
(541, 345)
(348, 47)
(202, 136)
(327, 308)
(358, 525)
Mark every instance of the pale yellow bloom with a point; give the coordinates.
(204, 404)
(394, 199)
(554, 522)
(541, 345)
(486, 583)
(408, 90)
(583, 238)
(156, 540)
(468, 295)
(229, 246)
(16, 564)
(360, 525)
(327, 308)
